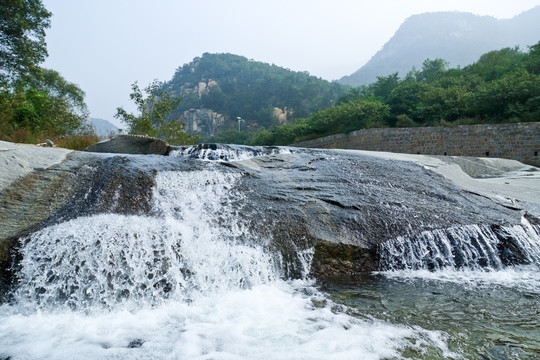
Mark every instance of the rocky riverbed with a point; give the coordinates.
(341, 204)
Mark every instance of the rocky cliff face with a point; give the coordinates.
(203, 121)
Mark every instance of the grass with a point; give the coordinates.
(75, 142)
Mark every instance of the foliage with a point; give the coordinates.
(495, 64)
(22, 39)
(514, 95)
(234, 86)
(337, 119)
(229, 137)
(76, 141)
(502, 86)
(35, 103)
(44, 107)
(432, 70)
(532, 61)
(456, 37)
(153, 119)
(405, 121)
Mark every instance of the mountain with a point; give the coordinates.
(459, 38)
(103, 128)
(217, 89)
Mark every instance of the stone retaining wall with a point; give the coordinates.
(519, 141)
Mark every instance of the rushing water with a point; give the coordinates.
(189, 281)
(227, 152)
(186, 283)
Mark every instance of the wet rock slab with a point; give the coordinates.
(344, 205)
(331, 206)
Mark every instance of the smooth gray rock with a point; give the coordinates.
(131, 144)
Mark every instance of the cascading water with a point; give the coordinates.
(227, 152)
(196, 278)
(470, 247)
(182, 251)
(187, 281)
(475, 254)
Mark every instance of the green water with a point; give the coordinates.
(481, 319)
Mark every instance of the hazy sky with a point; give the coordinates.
(105, 45)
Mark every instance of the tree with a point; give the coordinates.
(404, 99)
(432, 70)
(35, 103)
(494, 64)
(42, 107)
(22, 38)
(533, 59)
(384, 85)
(154, 118)
(515, 95)
(353, 94)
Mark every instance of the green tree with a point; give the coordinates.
(35, 103)
(404, 99)
(515, 95)
(154, 115)
(22, 38)
(384, 85)
(494, 64)
(432, 70)
(351, 95)
(443, 103)
(231, 136)
(533, 59)
(43, 107)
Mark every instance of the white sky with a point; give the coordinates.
(105, 45)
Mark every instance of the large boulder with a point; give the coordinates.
(131, 144)
(344, 205)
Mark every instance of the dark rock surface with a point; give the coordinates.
(131, 144)
(332, 206)
(343, 205)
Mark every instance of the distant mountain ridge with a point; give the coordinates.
(103, 128)
(459, 38)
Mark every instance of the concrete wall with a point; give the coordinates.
(510, 141)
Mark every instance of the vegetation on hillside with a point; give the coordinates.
(238, 87)
(35, 103)
(154, 115)
(502, 86)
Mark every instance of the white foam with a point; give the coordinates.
(194, 245)
(272, 321)
(229, 152)
(471, 247)
(187, 282)
(525, 278)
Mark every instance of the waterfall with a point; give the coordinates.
(465, 249)
(227, 152)
(188, 281)
(194, 244)
(198, 276)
